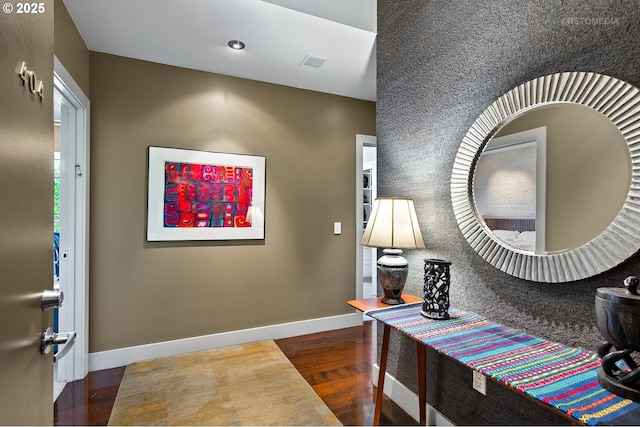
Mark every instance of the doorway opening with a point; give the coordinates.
(71, 224)
(366, 168)
(369, 255)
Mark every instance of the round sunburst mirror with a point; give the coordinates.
(545, 183)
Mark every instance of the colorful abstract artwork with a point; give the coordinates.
(196, 195)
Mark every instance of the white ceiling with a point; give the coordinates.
(278, 34)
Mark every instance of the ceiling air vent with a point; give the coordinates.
(313, 61)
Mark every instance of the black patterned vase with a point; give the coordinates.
(436, 289)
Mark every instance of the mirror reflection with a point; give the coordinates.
(552, 179)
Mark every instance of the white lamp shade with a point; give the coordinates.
(255, 216)
(393, 224)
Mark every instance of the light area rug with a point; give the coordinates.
(244, 385)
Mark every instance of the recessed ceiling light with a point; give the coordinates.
(236, 44)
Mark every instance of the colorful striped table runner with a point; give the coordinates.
(560, 376)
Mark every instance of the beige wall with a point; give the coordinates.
(69, 47)
(150, 292)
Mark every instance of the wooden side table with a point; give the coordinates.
(368, 304)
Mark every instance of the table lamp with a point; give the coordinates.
(255, 218)
(393, 226)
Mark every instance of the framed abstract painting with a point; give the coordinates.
(201, 195)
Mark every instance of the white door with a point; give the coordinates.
(26, 213)
(64, 221)
(71, 112)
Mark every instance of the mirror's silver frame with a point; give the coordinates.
(617, 100)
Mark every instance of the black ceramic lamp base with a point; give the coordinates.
(392, 275)
(392, 300)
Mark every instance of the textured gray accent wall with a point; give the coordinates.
(440, 64)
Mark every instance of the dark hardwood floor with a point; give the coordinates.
(337, 364)
(88, 402)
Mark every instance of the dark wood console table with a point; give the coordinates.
(560, 381)
(369, 304)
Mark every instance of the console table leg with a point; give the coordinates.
(381, 374)
(421, 352)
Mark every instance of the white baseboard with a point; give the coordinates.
(407, 399)
(124, 356)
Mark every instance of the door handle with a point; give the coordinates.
(50, 338)
(51, 299)
(66, 347)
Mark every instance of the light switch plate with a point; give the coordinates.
(337, 228)
(479, 383)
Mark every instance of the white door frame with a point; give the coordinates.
(75, 364)
(361, 141)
